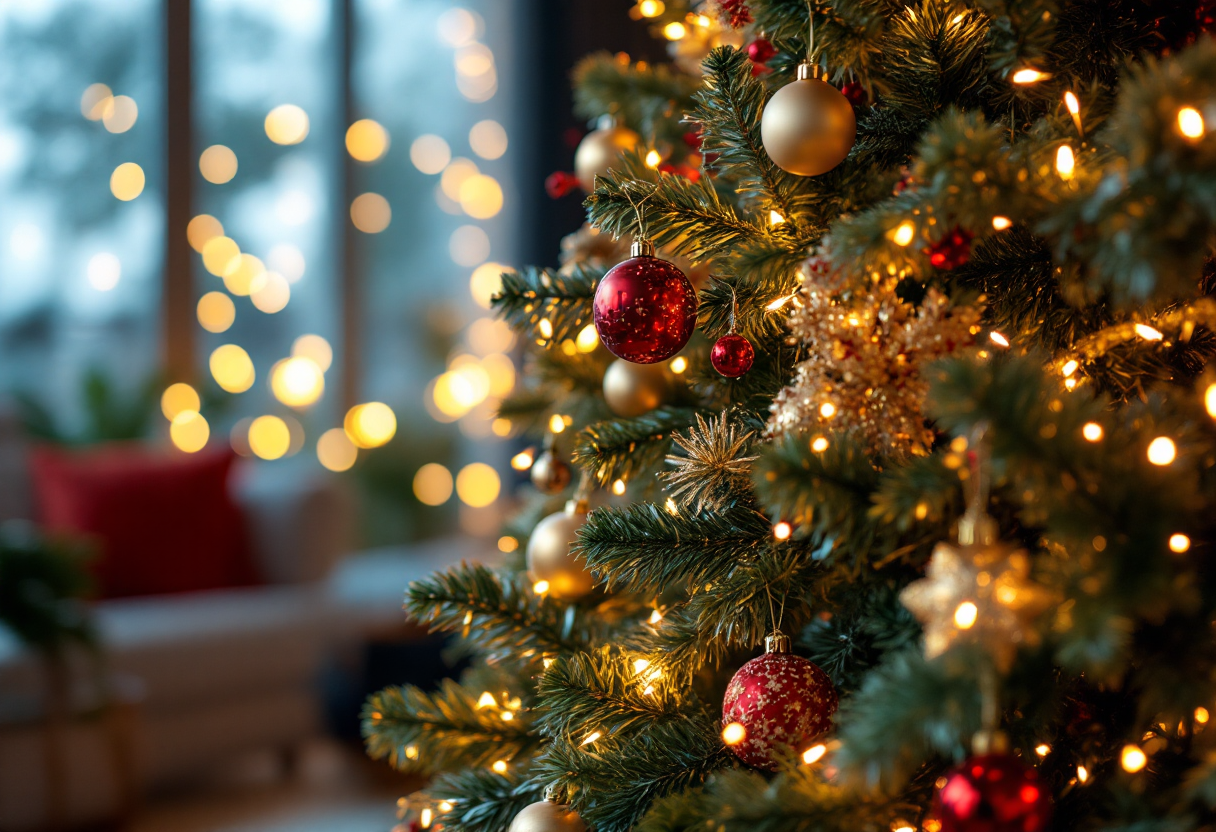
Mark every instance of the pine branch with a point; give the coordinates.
(934, 56)
(605, 691)
(629, 449)
(642, 95)
(531, 295)
(684, 217)
(444, 731)
(500, 615)
(728, 108)
(644, 548)
(615, 779)
(481, 800)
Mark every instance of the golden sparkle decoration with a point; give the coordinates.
(978, 592)
(865, 358)
(715, 465)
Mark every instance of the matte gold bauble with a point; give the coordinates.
(549, 557)
(547, 816)
(601, 150)
(808, 126)
(634, 389)
(550, 474)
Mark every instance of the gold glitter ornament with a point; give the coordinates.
(863, 372)
(808, 126)
(547, 816)
(600, 151)
(550, 558)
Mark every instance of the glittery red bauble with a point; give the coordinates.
(760, 51)
(781, 700)
(732, 355)
(994, 793)
(951, 251)
(645, 310)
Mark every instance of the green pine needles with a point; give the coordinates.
(1048, 166)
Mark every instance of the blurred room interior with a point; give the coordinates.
(253, 242)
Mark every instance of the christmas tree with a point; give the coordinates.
(911, 531)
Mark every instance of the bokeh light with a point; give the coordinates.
(269, 437)
(94, 102)
(179, 398)
(366, 140)
(433, 484)
(287, 124)
(477, 485)
(486, 282)
(455, 174)
(217, 164)
(335, 451)
(287, 260)
(430, 153)
(273, 295)
(501, 370)
(457, 26)
(232, 368)
(297, 382)
(189, 431)
(370, 425)
(481, 196)
(216, 312)
(245, 275)
(201, 229)
(488, 139)
(490, 335)
(220, 255)
(127, 181)
(121, 113)
(315, 348)
(370, 213)
(469, 245)
(103, 271)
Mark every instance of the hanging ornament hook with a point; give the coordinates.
(734, 309)
(641, 247)
(975, 526)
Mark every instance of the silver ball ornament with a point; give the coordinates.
(600, 150)
(547, 816)
(549, 558)
(632, 390)
(808, 126)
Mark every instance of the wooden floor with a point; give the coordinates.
(333, 789)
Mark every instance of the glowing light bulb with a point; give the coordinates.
(1092, 431)
(1190, 123)
(827, 410)
(1069, 368)
(998, 339)
(486, 700)
(774, 218)
(1148, 333)
(1082, 773)
(782, 531)
(1001, 223)
(556, 423)
(592, 737)
(819, 444)
(540, 587)
(1179, 543)
(734, 733)
(679, 364)
(966, 615)
(1043, 749)
(652, 159)
(1066, 162)
(499, 767)
(1132, 759)
(814, 753)
(545, 328)
(1071, 102)
(1202, 716)
(1028, 76)
(674, 30)
(1209, 400)
(1162, 451)
(656, 617)
(903, 233)
(618, 487)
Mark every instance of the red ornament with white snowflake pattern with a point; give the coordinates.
(781, 700)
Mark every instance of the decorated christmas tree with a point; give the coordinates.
(877, 484)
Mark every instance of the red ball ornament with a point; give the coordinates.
(760, 51)
(856, 93)
(645, 310)
(732, 355)
(994, 793)
(559, 183)
(952, 250)
(780, 700)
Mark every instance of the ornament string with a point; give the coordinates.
(637, 211)
(734, 309)
(774, 619)
(810, 41)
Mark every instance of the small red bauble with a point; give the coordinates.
(645, 310)
(856, 93)
(559, 183)
(732, 355)
(951, 251)
(760, 51)
(781, 700)
(993, 793)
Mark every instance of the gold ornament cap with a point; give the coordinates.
(807, 71)
(641, 248)
(989, 742)
(777, 642)
(579, 505)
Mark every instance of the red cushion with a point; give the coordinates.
(163, 522)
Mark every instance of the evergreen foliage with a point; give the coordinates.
(1088, 251)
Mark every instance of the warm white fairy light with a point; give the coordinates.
(1028, 75)
(1132, 758)
(1148, 333)
(652, 159)
(540, 587)
(556, 423)
(1042, 749)
(734, 733)
(965, 616)
(827, 410)
(486, 700)
(1162, 451)
(814, 753)
(775, 218)
(782, 531)
(819, 444)
(1092, 432)
(1066, 162)
(1190, 123)
(1001, 223)
(499, 767)
(1179, 543)
(1074, 110)
(618, 487)
(522, 461)
(592, 737)
(903, 233)
(998, 339)
(678, 364)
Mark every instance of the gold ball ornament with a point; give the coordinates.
(634, 389)
(547, 816)
(600, 150)
(549, 556)
(808, 126)
(550, 474)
